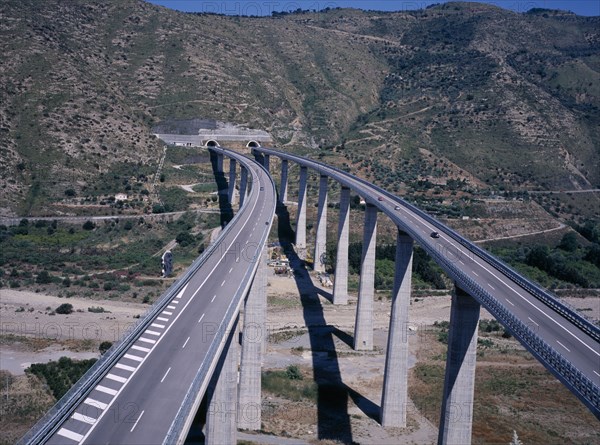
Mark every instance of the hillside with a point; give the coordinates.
(475, 98)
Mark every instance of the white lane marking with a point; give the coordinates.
(201, 318)
(95, 403)
(147, 340)
(162, 319)
(179, 295)
(223, 283)
(125, 367)
(133, 357)
(84, 419)
(152, 333)
(174, 302)
(213, 298)
(596, 373)
(140, 348)
(116, 378)
(563, 346)
(156, 325)
(475, 273)
(461, 262)
(70, 434)
(171, 307)
(106, 390)
(509, 302)
(165, 376)
(493, 288)
(531, 320)
(230, 270)
(198, 289)
(167, 313)
(136, 422)
(186, 342)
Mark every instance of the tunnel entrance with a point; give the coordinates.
(252, 144)
(212, 143)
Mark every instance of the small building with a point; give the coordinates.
(121, 197)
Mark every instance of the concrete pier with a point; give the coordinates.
(301, 217)
(221, 418)
(321, 236)
(284, 181)
(220, 162)
(232, 178)
(254, 336)
(456, 420)
(266, 161)
(243, 185)
(363, 328)
(340, 283)
(395, 378)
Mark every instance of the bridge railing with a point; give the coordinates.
(581, 385)
(541, 294)
(49, 423)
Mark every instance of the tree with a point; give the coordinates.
(569, 242)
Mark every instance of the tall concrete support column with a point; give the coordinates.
(266, 161)
(340, 284)
(395, 378)
(363, 328)
(221, 419)
(220, 162)
(243, 185)
(254, 336)
(301, 217)
(456, 420)
(232, 176)
(321, 236)
(284, 181)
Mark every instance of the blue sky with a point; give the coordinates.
(265, 7)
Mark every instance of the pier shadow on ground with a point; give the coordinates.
(333, 419)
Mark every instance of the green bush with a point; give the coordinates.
(64, 309)
(62, 374)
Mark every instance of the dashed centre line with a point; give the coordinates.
(213, 298)
(509, 302)
(186, 342)
(200, 319)
(165, 376)
(563, 346)
(136, 422)
(531, 320)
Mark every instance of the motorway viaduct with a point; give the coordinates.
(148, 388)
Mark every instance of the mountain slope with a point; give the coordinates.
(508, 100)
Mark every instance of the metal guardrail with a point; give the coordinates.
(49, 423)
(541, 294)
(201, 377)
